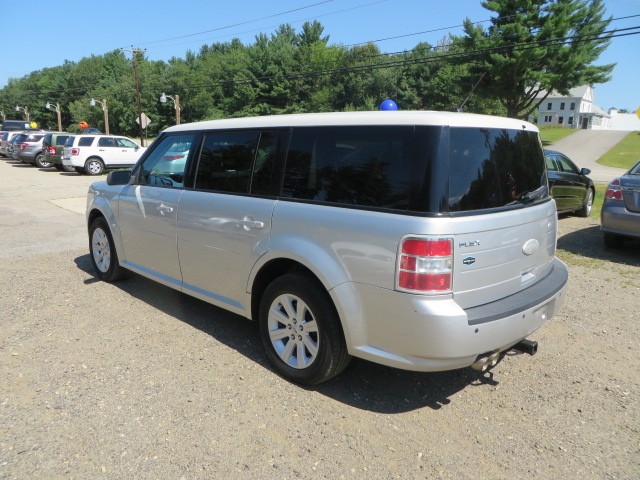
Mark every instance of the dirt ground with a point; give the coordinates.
(134, 380)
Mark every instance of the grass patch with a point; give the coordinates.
(551, 135)
(579, 260)
(624, 154)
(598, 200)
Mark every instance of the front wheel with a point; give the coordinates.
(301, 331)
(94, 166)
(103, 253)
(585, 211)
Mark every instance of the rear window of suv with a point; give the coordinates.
(493, 168)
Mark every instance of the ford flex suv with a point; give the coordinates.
(419, 240)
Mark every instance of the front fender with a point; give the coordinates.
(101, 200)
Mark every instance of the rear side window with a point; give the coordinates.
(371, 166)
(226, 160)
(493, 168)
(61, 139)
(85, 141)
(106, 142)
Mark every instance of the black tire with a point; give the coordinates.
(611, 240)
(94, 166)
(58, 167)
(315, 354)
(70, 169)
(80, 170)
(41, 162)
(104, 257)
(585, 211)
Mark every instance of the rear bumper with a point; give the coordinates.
(617, 219)
(415, 332)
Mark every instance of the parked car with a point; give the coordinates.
(92, 154)
(570, 187)
(53, 148)
(29, 150)
(419, 240)
(620, 215)
(12, 149)
(7, 138)
(15, 125)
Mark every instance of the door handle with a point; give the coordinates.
(164, 209)
(248, 223)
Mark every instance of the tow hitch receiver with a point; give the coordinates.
(529, 347)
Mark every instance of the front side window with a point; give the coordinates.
(165, 165)
(125, 143)
(493, 168)
(566, 165)
(226, 161)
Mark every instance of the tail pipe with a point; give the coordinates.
(529, 347)
(484, 362)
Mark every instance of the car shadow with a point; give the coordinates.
(363, 385)
(588, 242)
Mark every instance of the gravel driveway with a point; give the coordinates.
(134, 380)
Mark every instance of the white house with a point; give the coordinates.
(575, 110)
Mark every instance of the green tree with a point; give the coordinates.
(533, 46)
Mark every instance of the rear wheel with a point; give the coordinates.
(585, 211)
(301, 331)
(103, 253)
(41, 162)
(94, 166)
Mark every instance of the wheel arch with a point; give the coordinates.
(344, 299)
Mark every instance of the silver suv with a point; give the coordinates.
(419, 240)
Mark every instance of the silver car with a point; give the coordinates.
(419, 240)
(620, 215)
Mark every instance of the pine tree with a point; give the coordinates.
(534, 46)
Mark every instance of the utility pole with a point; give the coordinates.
(134, 52)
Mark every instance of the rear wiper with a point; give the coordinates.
(530, 196)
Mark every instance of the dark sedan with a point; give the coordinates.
(620, 216)
(570, 187)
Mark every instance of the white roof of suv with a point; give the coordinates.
(362, 118)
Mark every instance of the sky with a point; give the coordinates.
(165, 28)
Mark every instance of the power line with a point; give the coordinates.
(239, 24)
(274, 26)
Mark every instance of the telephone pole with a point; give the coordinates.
(134, 52)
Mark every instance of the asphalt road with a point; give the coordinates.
(584, 147)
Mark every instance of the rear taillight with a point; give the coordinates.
(424, 265)
(75, 151)
(22, 146)
(613, 190)
(52, 150)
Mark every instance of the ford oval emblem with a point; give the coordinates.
(530, 247)
(469, 260)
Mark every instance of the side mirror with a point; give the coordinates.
(118, 177)
(585, 171)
